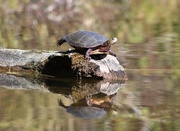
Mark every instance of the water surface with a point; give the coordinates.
(149, 100)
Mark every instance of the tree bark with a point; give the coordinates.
(53, 63)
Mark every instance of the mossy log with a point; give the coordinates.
(53, 63)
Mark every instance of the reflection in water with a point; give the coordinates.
(146, 102)
(90, 100)
(82, 110)
(91, 96)
(91, 107)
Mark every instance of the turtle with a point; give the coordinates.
(89, 43)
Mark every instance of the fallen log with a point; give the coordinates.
(53, 63)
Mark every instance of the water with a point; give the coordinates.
(149, 100)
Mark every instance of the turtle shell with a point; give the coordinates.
(85, 39)
(86, 112)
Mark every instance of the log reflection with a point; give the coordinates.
(90, 98)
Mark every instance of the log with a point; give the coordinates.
(59, 64)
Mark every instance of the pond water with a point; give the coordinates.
(148, 100)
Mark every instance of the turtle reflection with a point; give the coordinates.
(93, 106)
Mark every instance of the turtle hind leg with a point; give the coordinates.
(61, 41)
(112, 53)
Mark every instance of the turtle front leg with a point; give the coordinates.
(87, 55)
(112, 53)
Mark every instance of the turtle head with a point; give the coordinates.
(110, 41)
(113, 40)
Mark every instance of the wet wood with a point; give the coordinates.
(56, 63)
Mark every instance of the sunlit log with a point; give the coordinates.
(53, 63)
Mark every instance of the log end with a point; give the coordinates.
(106, 66)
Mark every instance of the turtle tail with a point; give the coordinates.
(61, 41)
